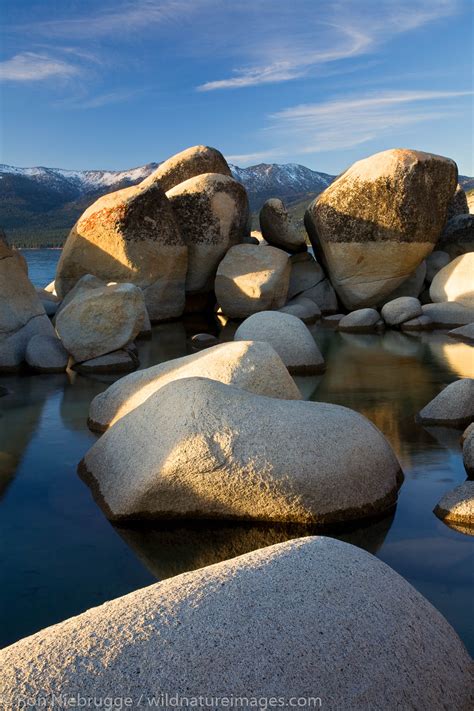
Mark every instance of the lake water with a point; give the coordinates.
(60, 555)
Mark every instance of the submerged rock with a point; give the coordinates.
(211, 460)
(289, 337)
(252, 278)
(376, 223)
(455, 282)
(129, 236)
(101, 321)
(278, 228)
(250, 365)
(274, 623)
(456, 508)
(203, 340)
(121, 361)
(453, 407)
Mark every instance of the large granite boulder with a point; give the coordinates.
(458, 236)
(22, 314)
(230, 453)
(273, 624)
(188, 164)
(251, 278)
(249, 365)
(278, 229)
(212, 211)
(453, 407)
(455, 281)
(288, 335)
(376, 223)
(101, 320)
(129, 236)
(413, 286)
(458, 203)
(456, 508)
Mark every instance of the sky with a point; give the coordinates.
(113, 84)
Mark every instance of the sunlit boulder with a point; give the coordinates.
(187, 164)
(456, 508)
(455, 281)
(453, 407)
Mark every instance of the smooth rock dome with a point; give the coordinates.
(405, 308)
(453, 407)
(251, 278)
(289, 337)
(360, 321)
(455, 281)
(276, 622)
(187, 164)
(376, 222)
(228, 453)
(250, 365)
(456, 508)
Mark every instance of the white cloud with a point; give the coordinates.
(30, 66)
(95, 102)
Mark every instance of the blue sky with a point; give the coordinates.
(118, 83)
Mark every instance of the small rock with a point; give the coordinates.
(360, 321)
(449, 314)
(251, 279)
(453, 407)
(46, 354)
(402, 309)
(464, 333)
(289, 337)
(121, 361)
(278, 228)
(420, 323)
(455, 282)
(457, 508)
(435, 262)
(203, 340)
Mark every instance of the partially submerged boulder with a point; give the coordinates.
(455, 281)
(212, 212)
(360, 321)
(278, 229)
(121, 361)
(458, 236)
(211, 460)
(248, 365)
(131, 236)
(405, 308)
(456, 508)
(251, 279)
(453, 407)
(289, 337)
(188, 164)
(46, 354)
(376, 223)
(274, 623)
(101, 321)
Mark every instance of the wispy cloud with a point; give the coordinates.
(345, 31)
(100, 100)
(350, 121)
(31, 66)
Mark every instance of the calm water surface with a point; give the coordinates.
(60, 555)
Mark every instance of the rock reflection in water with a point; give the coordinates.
(171, 549)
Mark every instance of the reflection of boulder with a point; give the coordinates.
(173, 549)
(458, 357)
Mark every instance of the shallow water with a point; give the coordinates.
(60, 555)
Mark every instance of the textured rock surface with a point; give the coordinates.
(188, 164)
(121, 361)
(458, 236)
(46, 354)
(289, 337)
(252, 366)
(252, 278)
(458, 203)
(360, 321)
(455, 282)
(449, 314)
(468, 450)
(101, 321)
(453, 407)
(303, 308)
(278, 228)
(129, 236)
(22, 314)
(405, 308)
(457, 507)
(376, 223)
(275, 622)
(211, 460)
(212, 212)
(434, 262)
(464, 333)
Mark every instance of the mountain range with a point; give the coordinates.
(38, 206)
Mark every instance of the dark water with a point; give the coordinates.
(60, 556)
